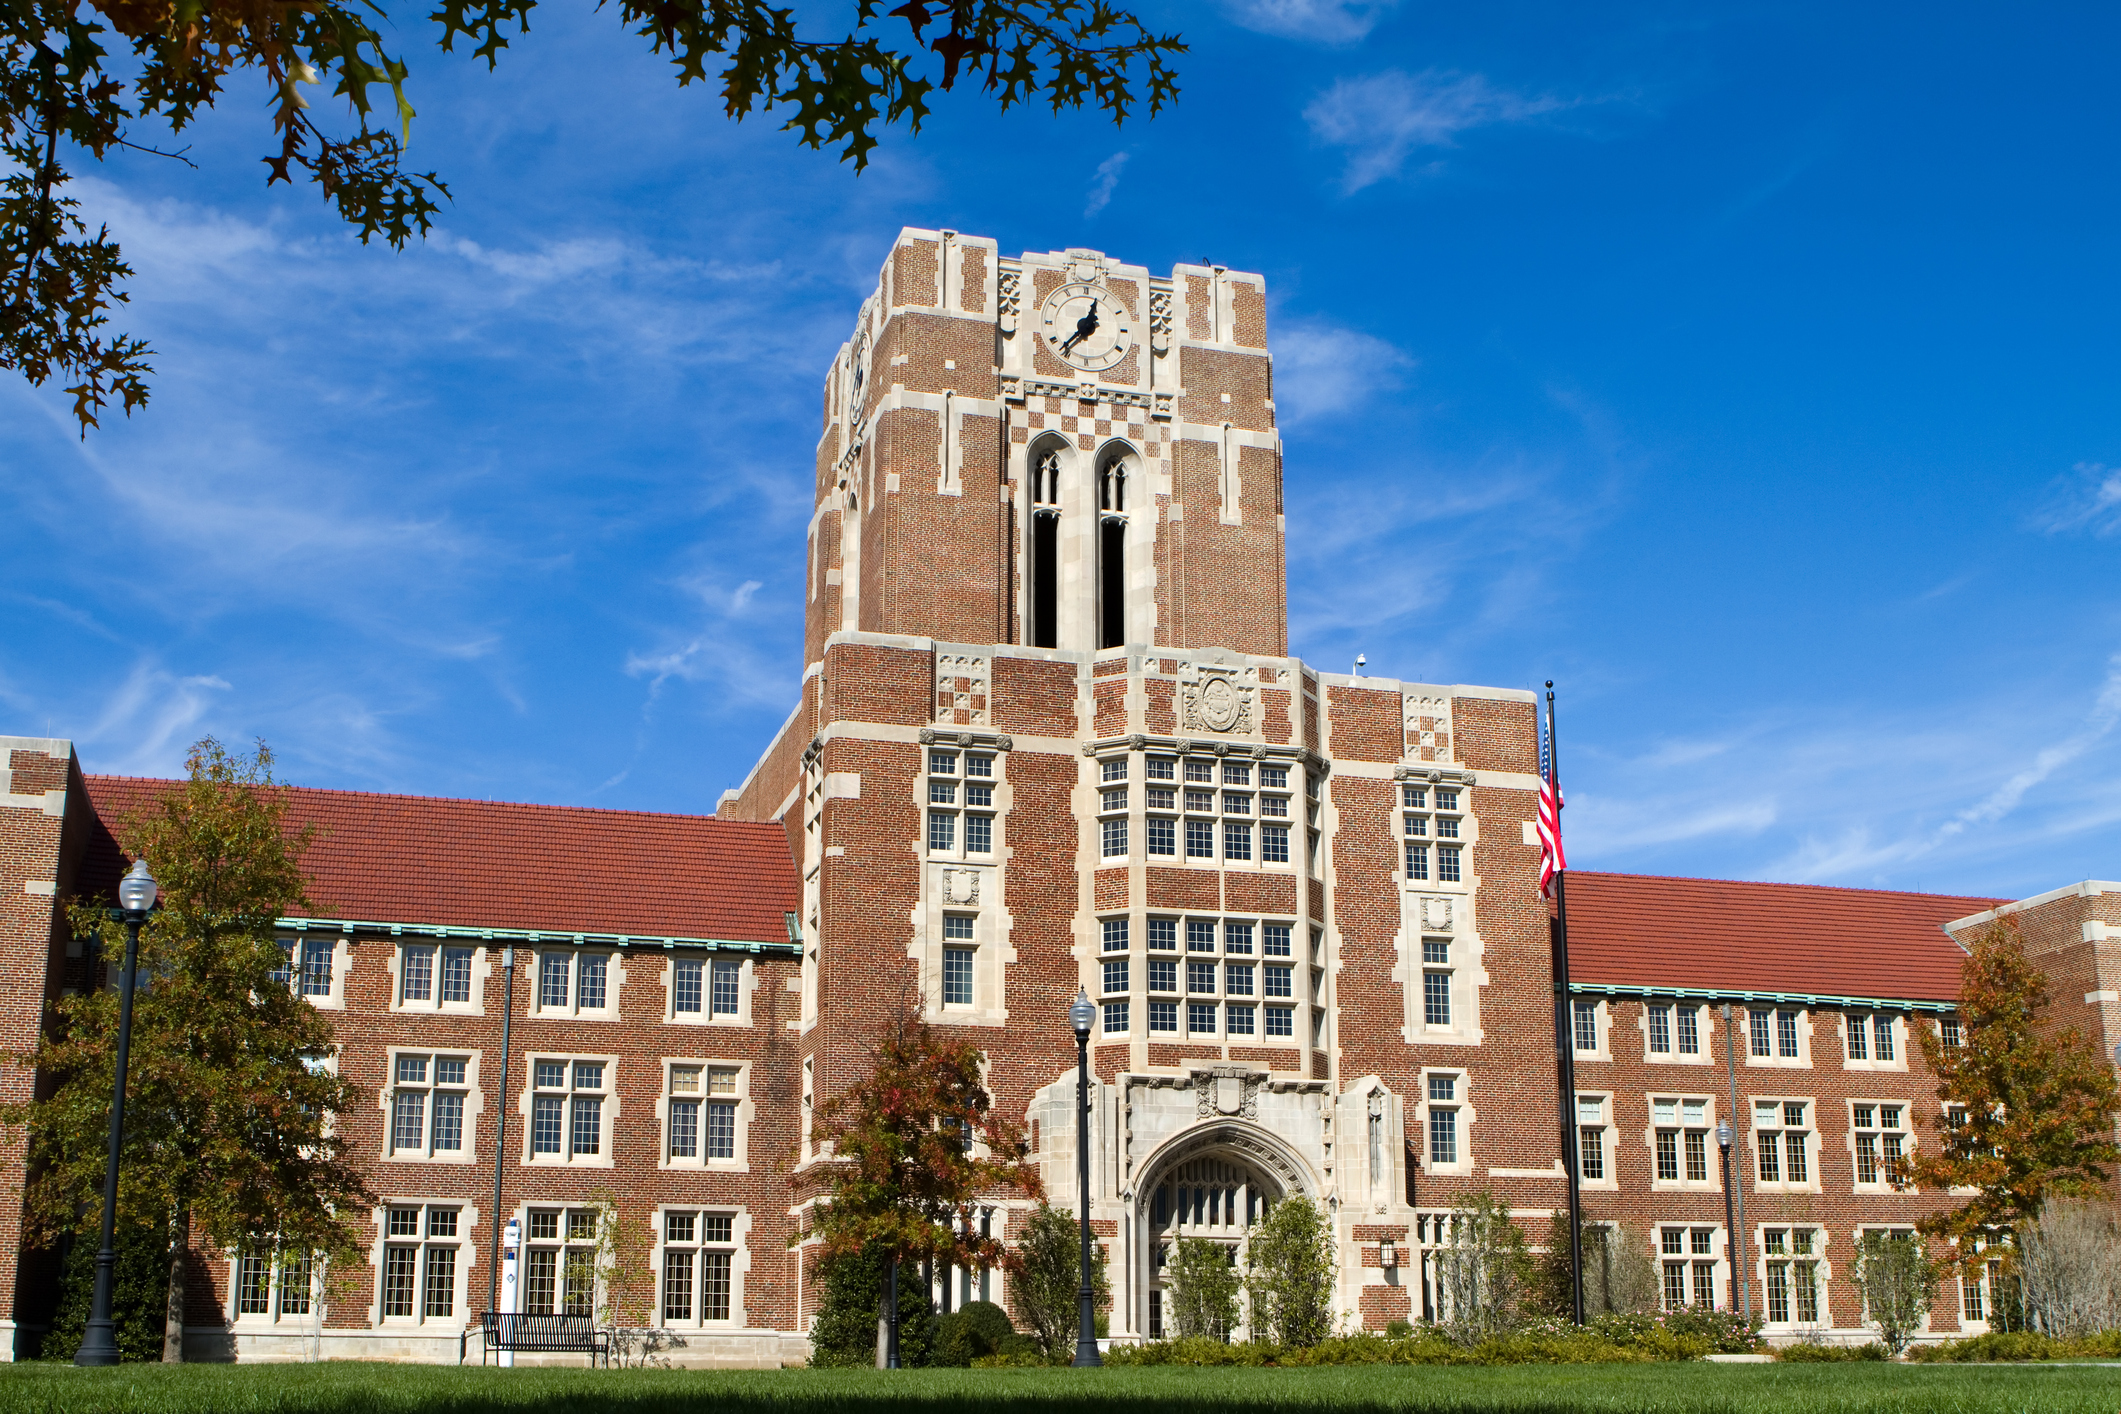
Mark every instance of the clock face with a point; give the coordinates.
(1086, 326)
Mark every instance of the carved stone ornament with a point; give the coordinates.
(1226, 1090)
(1011, 297)
(1436, 915)
(1215, 699)
(960, 886)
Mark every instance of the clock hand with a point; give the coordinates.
(1084, 328)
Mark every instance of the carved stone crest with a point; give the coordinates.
(1215, 699)
(1436, 914)
(1226, 1090)
(960, 886)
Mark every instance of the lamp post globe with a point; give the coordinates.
(136, 895)
(1081, 1014)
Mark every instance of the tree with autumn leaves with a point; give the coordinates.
(2028, 1108)
(232, 1112)
(909, 1155)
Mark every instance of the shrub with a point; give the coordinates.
(1290, 1261)
(1204, 1286)
(1898, 1282)
(1485, 1270)
(1727, 1332)
(139, 1293)
(2070, 1261)
(1619, 1275)
(2021, 1346)
(844, 1330)
(1048, 1289)
(1811, 1352)
(976, 1329)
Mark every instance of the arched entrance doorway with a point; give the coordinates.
(1214, 1183)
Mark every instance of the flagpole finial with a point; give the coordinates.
(1550, 684)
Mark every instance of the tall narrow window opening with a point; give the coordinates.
(1112, 556)
(1045, 551)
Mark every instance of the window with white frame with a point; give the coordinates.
(1948, 1031)
(1443, 1120)
(959, 953)
(1782, 1138)
(1432, 829)
(1234, 979)
(706, 989)
(699, 1261)
(960, 804)
(1436, 974)
(703, 1113)
(308, 967)
(1679, 1136)
(1873, 1037)
(567, 1109)
(575, 982)
(1792, 1275)
(560, 1262)
(1879, 1132)
(1674, 1029)
(1214, 810)
(419, 1276)
(1112, 807)
(1590, 1137)
(1685, 1253)
(275, 1285)
(1584, 1027)
(433, 975)
(427, 1100)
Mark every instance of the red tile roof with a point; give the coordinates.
(488, 864)
(1633, 930)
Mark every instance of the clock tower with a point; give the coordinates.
(1054, 451)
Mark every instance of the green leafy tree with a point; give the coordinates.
(1289, 1268)
(913, 1150)
(1047, 1281)
(2028, 1108)
(1898, 1281)
(1204, 1287)
(85, 77)
(1485, 1270)
(233, 1115)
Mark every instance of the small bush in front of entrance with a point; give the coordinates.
(977, 1329)
(1727, 1332)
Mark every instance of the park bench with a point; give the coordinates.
(510, 1330)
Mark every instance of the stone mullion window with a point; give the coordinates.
(959, 815)
(1432, 825)
(1221, 811)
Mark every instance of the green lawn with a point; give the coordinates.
(1522, 1389)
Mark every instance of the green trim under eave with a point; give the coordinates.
(1709, 994)
(534, 935)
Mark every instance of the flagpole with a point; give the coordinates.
(1565, 1029)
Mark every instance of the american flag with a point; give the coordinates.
(1551, 859)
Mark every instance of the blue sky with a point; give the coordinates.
(1749, 370)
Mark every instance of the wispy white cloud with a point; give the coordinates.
(1384, 119)
(1104, 184)
(146, 724)
(1322, 368)
(1313, 21)
(2088, 499)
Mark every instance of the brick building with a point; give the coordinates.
(1050, 737)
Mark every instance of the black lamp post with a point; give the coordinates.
(136, 894)
(1723, 1150)
(1081, 1015)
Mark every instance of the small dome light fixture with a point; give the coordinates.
(136, 891)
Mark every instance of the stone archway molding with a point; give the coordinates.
(1239, 1138)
